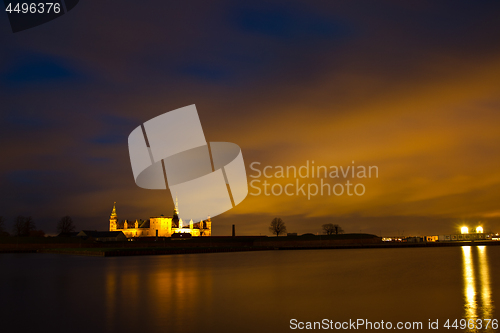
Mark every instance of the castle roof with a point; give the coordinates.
(144, 224)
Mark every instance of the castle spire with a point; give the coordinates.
(113, 213)
(175, 218)
(113, 219)
(176, 209)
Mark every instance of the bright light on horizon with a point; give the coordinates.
(479, 230)
(464, 230)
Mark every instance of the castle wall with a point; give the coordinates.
(161, 224)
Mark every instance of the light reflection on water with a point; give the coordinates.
(476, 276)
(248, 291)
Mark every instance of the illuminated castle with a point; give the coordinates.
(162, 226)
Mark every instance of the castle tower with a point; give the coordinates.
(113, 219)
(208, 227)
(200, 226)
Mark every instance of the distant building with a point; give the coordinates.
(431, 238)
(464, 237)
(163, 226)
(466, 234)
(103, 236)
(413, 239)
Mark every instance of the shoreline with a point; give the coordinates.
(223, 244)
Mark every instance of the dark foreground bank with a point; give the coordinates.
(165, 246)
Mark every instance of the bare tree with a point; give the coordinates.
(18, 227)
(29, 225)
(332, 229)
(337, 229)
(277, 226)
(328, 228)
(2, 227)
(23, 226)
(65, 225)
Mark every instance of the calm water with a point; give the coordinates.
(245, 292)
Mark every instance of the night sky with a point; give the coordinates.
(412, 87)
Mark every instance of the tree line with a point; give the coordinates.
(278, 227)
(24, 226)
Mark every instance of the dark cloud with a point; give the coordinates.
(411, 87)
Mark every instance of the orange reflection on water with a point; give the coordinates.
(470, 284)
(110, 296)
(484, 273)
(477, 308)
